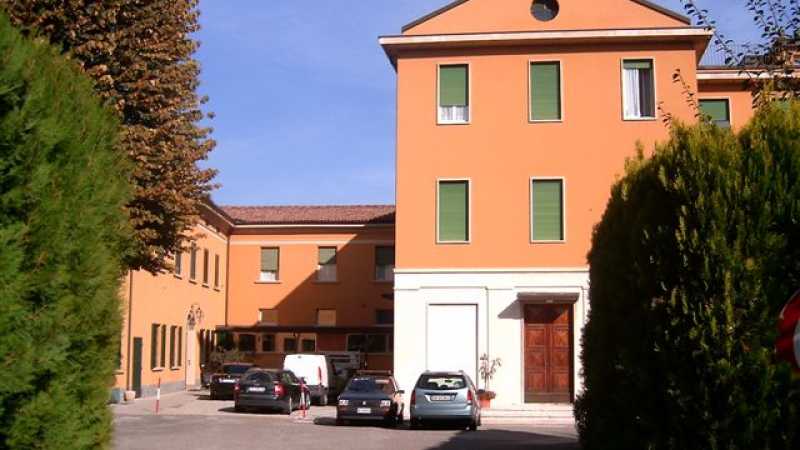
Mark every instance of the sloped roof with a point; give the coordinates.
(312, 215)
(449, 6)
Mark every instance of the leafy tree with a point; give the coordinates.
(63, 235)
(139, 52)
(772, 62)
(695, 256)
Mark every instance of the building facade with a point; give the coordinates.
(315, 279)
(514, 118)
(170, 317)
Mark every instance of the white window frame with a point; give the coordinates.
(622, 88)
(560, 62)
(439, 120)
(469, 211)
(261, 273)
(727, 99)
(564, 227)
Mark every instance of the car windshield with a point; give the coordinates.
(371, 384)
(235, 369)
(442, 382)
(259, 377)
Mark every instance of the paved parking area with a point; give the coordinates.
(192, 421)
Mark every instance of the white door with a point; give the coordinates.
(453, 338)
(191, 357)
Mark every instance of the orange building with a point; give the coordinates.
(169, 318)
(514, 118)
(312, 279)
(278, 280)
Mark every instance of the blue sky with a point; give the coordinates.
(304, 95)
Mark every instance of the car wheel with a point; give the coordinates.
(212, 396)
(415, 424)
(473, 426)
(238, 408)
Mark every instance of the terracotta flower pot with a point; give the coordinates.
(486, 403)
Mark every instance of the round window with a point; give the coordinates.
(544, 10)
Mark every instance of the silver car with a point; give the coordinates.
(445, 397)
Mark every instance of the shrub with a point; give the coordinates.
(696, 254)
(62, 236)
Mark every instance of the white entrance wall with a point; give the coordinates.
(494, 293)
(452, 341)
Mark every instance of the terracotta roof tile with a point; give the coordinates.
(311, 215)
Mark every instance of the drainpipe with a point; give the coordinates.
(130, 327)
(488, 319)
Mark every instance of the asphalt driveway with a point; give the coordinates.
(192, 421)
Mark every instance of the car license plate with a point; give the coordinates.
(257, 389)
(441, 398)
(227, 381)
(364, 410)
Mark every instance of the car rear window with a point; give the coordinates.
(236, 369)
(370, 385)
(442, 382)
(259, 377)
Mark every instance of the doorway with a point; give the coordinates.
(548, 353)
(191, 357)
(136, 371)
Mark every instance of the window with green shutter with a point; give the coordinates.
(454, 93)
(718, 110)
(154, 345)
(269, 264)
(453, 220)
(545, 91)
(384, 263)
(547, 209)
(326, 270)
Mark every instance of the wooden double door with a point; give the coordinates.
(548, 353)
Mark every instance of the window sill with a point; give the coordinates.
(548, 242)
(532, 121)
(639, 119)
(267, 282)
(446, 124)
(453, 242)
(175, 368)
(177, 276)
(205, 285)
(192, 281)
(119, 372)
(157, 369)
(216, 288)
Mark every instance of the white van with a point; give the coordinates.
(315, 370)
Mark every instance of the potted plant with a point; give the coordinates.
(487, 370)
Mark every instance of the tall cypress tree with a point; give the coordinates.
(63, 236)
(140, 54)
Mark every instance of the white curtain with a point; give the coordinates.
(633, 106)
(453, 113)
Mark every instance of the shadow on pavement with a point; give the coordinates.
(331, 422)
(252, 411)
(506, 439)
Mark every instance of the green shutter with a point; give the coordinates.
(153, 346)
(718, 110)
(643, 64)
(384, 256)
(545, 91)
(548, 217)
(327, 255)
(453, 85)
(453, 211)
(269, 259)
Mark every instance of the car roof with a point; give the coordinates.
(238, 364)
(445, 374)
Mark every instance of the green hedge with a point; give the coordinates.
(696, 254)
(62, 235)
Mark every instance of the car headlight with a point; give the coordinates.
(343, 402)
(386, 403)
